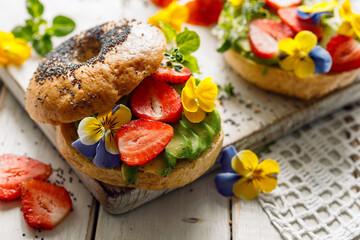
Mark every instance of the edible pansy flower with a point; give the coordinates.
(13, 50)
(316, 11)
(243, 175)
(197, 100)
(174, 14)
(351, 25)
(236, 3)
(303, 56)
(97, 136)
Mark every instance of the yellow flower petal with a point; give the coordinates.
(356, 24)
(17, 51)
(287, 45)
(305, 68)
(244, 162)
(245, 188)
(289, 62)
(3, 59)
(195, 117)
(236, 3)
(90, 130)
(346, 29)
(306, 41)
(207, 90)
(266, 183)
(345, 10)
(174, 14)
(188, 96)
(6, 37)
(319, 7)
(110, 143)
(268, 167)
(207, 106)
(116, 118)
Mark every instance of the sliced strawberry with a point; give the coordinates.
(15, 169)
(170, 75)
(276, 4)
(44, 205)
(156, 101)
(345, 53)
(290, 17)
(264, 36)
(141, 140)
(162, 3)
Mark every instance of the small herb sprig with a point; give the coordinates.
(182, 44)
(36, 30)
(226, 91)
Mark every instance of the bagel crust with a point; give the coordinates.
(286, 82)
(185, 171)
(91, 71)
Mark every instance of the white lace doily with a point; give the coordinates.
(318, 192)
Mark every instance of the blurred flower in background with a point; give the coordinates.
(13, 50)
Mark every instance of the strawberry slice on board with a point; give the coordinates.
(15, 169)
(155, 100)
(170, 75)
(162, 3)
(345, 53)
(290, 17)
(276, 4)
(44, 205)
(264, 36)
(141, 140)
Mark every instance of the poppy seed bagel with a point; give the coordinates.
(91, 71)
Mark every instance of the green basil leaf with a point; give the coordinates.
(62, 26)
(188, 41)
(34, 8)
(43, 45)
(23, 32)
(169, 32)
(191, 62)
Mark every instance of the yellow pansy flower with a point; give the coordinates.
(199, 99)
(319, 7)
(294, 53)
(174, 14)
(351, 25)
(236, 3)
(13, 50)
(255, 176)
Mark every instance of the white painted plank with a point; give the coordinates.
(19, 135)
(196, 211)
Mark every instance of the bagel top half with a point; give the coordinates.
(91, 71)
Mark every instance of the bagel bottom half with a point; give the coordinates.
(286, 82)
(186, 171)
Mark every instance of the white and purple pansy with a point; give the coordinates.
(316, 11)
(97, 136)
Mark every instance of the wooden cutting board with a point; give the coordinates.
(252, 118)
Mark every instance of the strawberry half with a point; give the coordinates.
(15, 169)
(139, 141)
(44, 205)
(204, 12)
(276, 4)
(170, 75)
(345, 53)
(162, 3)
(290, 17)
(156, 101)
(264, 36)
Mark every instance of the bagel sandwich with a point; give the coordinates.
(117, 120)
(290, 48)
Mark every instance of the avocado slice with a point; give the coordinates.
(214, 121)
(203, 130)
(129, 173)
(196, 141)
(161, 165)
(179, 145)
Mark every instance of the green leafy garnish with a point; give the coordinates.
(182, 46)
(37, 31)
(226, 91)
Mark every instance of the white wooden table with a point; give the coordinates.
(194, 212)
